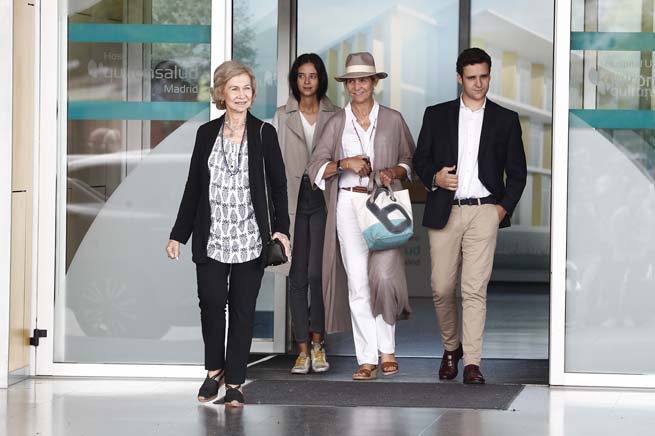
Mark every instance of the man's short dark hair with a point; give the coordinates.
(472, 56)
(314, 59)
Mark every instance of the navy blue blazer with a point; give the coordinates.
(501, 153)
(193, 216)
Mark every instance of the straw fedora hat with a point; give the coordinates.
(360, 64)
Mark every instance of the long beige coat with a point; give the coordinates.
(293, 146)
(393, 145)
(295, 153)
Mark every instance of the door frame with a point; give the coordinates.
(558, 374)
(6, 122)
(53, 32)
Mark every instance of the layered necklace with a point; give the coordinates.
(234, 128)
(232, 169)
(370, 137)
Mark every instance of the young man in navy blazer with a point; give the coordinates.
(464, 150)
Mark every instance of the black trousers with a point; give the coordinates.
(236, 286)
(306, 264)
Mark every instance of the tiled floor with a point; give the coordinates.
(412, 370)
(516, 327)
(70, 407)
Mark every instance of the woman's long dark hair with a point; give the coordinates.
(314, 59)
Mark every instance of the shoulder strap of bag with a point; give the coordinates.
(268, 213)
(371, 181)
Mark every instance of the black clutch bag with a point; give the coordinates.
(275, 254)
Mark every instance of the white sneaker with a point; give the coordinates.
(302, 365)
(319, 362)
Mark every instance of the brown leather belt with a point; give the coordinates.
(360, 189)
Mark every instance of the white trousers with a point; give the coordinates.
(370, 333)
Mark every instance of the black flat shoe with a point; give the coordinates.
(234, 397)
(209, 389)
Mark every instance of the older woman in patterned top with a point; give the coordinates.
(224, 206)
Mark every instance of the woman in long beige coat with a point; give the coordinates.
(300, 123)
(363, 290)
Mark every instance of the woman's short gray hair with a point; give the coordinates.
(226, 71)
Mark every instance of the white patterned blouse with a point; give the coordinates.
(233, 235)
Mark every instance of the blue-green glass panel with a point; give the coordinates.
(616, 119)
(105, 110)
(139, 33)
(621, 41)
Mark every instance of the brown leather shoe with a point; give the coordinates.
(449, 361)
(472, 375)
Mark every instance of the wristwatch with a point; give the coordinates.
(339, 167)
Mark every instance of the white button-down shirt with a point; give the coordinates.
(356, 141)
(469, 130)
(308, 129)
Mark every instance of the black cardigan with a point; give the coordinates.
(193, 216)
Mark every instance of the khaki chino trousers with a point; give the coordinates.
(468, 241)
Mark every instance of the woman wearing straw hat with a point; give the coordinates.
(365, 291)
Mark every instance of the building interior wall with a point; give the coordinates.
(22, 184)
(6, 35)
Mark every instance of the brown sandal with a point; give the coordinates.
(363, 373)
(390, 368)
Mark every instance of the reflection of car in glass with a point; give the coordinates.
(109, 308)
(118, 281)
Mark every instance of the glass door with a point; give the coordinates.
(135, 86)
(603, 240)
(416, 43)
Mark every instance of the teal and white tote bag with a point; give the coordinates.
(384, 217)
